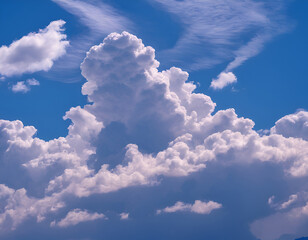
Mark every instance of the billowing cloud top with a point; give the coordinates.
(159, 126)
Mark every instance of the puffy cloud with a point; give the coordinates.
(223, 79)
(34, 52)
(20, 207)
(165, 129)
(77, 216)
(33, 82)
(100, 18)
(20, 87)
(25, 86)
(293, 125)
(198, 207)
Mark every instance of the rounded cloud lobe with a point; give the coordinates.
(294, 125)
(160, 128)
(223, 80)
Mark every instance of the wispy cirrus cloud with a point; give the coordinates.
(217, 31)
(100, 19)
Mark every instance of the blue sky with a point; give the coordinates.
(215, 148)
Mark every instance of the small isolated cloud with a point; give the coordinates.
(34, 52)
(124, 216)
(271, 200)
(223, 79)
(33, 82)
(77, 216)
(20, 87)
(198, 207)
(25, 86)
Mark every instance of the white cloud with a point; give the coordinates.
(33, 82)
(198, 207)
(19, 207)
(270, 201)
(223, 79)
(24, 86)
(293, 125)
(291, 200)
(292, 223)
(288, 222)
(96, 15)
(34, 52)
(168, 130)
(20, 87)
(100, 20)
(213, 27)
(214, 30)
(77, 216)
(124, 216)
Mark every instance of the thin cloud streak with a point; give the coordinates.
(100, 19)
(217, 31)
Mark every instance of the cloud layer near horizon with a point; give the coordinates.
(165, 130)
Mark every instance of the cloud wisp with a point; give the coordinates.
(223, 80)
(77, 216)
(96, 15)
(214, 30)
(100, 19)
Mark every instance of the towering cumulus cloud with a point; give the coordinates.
(140, 125)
